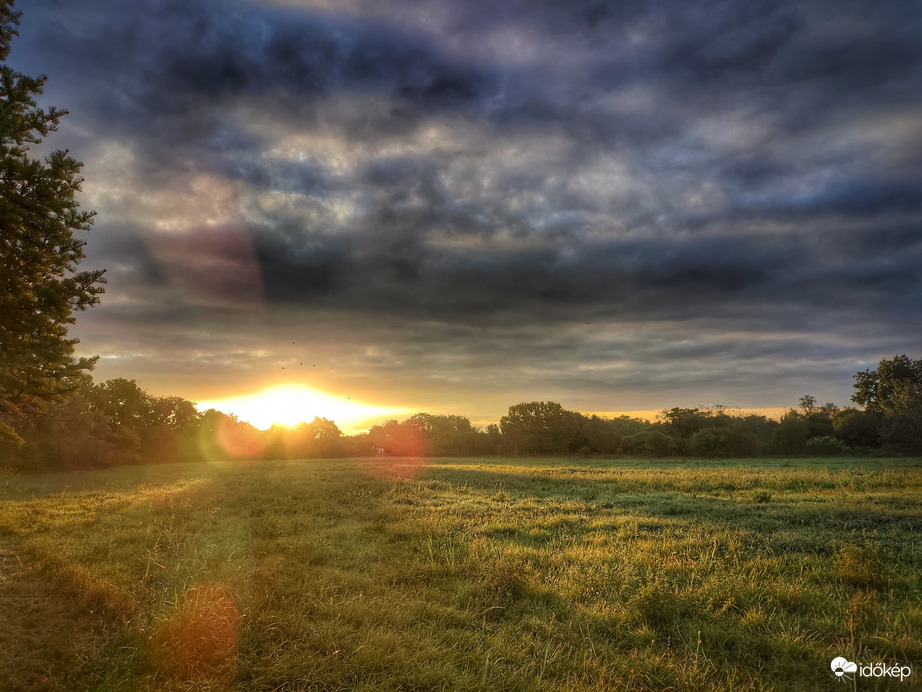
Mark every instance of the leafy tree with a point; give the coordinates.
(741, 441)
(829, 409)
(40, 287)
(858, 428)
(733, 440)
(807, 404)
(101, 425)
(63, 434)
(145, 427)
(819, 424)
(450, 435)
(902, 432)
(716, 433)
(427, 434)
(708, 442)
(400, 439)
(540, 426)
(126, 405)
(762, 428)
(604, 435)
(791, 435)
(172, 431)
(491, 440)
(323, 430)
(894, 392)
(685, 422)
(319, 438)
(174, 412)
(891, 388)
(222, 436)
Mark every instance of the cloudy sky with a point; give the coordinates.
(456, 205)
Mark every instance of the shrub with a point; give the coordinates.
(824, 446)
(709, 442)
(649, 443)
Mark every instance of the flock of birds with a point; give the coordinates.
(314, 365)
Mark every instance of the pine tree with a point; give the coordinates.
(40, 287)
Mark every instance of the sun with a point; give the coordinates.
(293, 404)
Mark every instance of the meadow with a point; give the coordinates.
(462, 574)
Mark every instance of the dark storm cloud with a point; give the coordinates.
(167, 73)
(659, 279)
(863, 198)
(506, 168)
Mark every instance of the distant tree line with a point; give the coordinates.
(116, 422)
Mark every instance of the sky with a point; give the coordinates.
(456, 205)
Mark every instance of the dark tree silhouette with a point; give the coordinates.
(40, 287)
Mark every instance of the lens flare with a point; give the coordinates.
(227, 439)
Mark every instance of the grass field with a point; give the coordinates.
(462, 574)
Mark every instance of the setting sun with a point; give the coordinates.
(293, 404)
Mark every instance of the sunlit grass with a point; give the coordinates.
(472, 574)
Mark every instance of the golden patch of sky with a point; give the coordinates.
(292, 404)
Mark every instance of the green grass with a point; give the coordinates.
(449, 574)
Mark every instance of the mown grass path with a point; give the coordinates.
(48, 632)
(447, 574)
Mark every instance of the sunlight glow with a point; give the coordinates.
(293, 404)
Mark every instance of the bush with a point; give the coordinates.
(826, 446)
(709, 442)
(649, 443)
(734, 440)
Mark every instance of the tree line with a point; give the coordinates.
(116, 422)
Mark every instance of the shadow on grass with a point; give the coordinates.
(799, 513)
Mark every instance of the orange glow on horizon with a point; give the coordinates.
(292, 404)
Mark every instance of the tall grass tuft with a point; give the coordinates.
(864, 566)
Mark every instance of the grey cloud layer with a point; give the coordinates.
(521, 164)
